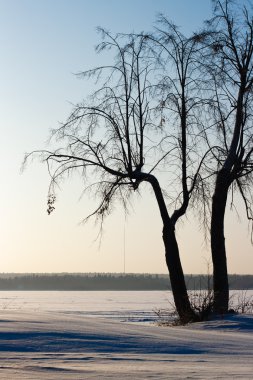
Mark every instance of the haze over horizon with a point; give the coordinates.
(43, 44)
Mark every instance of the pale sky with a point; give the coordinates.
(43, 43)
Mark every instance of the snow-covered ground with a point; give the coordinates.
(112, 335)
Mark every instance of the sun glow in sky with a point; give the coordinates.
(43, 43)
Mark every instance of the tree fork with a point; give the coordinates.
(178, 286)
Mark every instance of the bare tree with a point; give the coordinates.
(184, 106)
(116, 140)
(230, 66)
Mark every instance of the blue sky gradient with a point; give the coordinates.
(43, 44)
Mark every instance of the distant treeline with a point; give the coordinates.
(110, 281)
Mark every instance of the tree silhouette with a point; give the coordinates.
(230, 69)
(116, 140)
(182, 89)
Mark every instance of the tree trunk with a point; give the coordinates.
(220, 275)
(178, 286)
